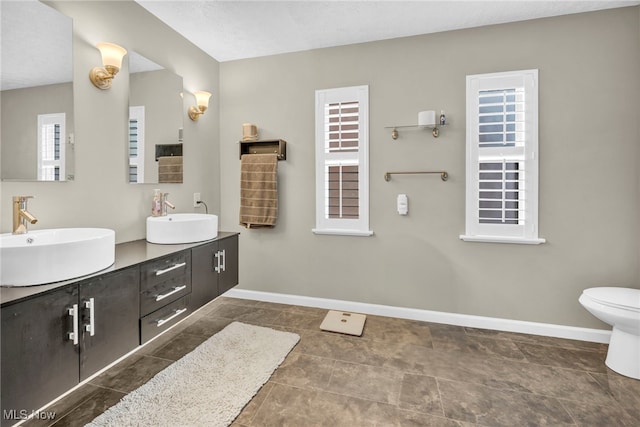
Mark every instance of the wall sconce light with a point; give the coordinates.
(112, 55)
(202, 102)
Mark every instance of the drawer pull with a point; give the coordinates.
(175, 289)
(173, 267)
(173, 316)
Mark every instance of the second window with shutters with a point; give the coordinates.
(502, 158)
(342, 169)
(51, 147)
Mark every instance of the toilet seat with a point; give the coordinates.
(623, 298)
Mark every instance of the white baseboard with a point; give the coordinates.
(507, 325)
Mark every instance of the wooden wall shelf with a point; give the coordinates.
(277, 146)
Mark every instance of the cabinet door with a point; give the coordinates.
(116, 310)
(204, 278)
(228, 276)
(39, 361)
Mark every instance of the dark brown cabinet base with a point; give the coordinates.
(115, 302)
(41, 357)
(39, 361)
(214, 270)
(55, 339)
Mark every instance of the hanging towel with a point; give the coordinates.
(258, 190)
(170, 169)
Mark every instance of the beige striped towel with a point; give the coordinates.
(258, 190)
(169, 169)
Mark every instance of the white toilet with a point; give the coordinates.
(619, 307)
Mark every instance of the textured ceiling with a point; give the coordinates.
(35, 45)
(36, 39)
(229, 30)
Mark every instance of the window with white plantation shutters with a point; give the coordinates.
(342, 171)
(502, 158)
(500, 200)
(51, 147)
(136, 144)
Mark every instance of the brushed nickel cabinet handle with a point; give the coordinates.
(73, 312)
(91, 327)
(173, 267)
(173, 316)
(217, 263)
(175, 289)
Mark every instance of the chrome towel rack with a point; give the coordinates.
(443, 174)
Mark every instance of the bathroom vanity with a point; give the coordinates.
(57, 335)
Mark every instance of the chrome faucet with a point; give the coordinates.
(164, 202)
(21, 217)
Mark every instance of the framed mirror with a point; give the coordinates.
(36, 86)
(155, 123)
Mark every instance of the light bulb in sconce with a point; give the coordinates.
(112, 55)
(202, 103)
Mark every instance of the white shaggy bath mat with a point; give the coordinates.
(208, 386)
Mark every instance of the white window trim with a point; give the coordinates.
(52, 119)
(343, 227)
(499, 233)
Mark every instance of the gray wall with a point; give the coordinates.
(20, 109)
(638, 158)
(101, 196)
(160, 93)
(589, 142)
(589, 186)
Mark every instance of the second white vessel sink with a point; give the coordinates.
(181, 228)
(46, 256)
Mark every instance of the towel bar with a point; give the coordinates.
(443, 174)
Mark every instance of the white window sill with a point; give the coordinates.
(502, 239)
(339, 232)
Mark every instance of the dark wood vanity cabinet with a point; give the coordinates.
(214, 270)
(228, 274)
(164, 280)
(39, 361)
(114, 301)
(204, 278)
(165, 288)
(53, 341)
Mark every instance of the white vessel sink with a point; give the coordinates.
(181, 228)
(46, 256)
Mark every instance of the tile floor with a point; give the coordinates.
(399, 373)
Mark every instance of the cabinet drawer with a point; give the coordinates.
(152, 298)
(165, 269)
(162, 319)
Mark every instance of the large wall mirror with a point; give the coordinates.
(155, 123)
(37, 93)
